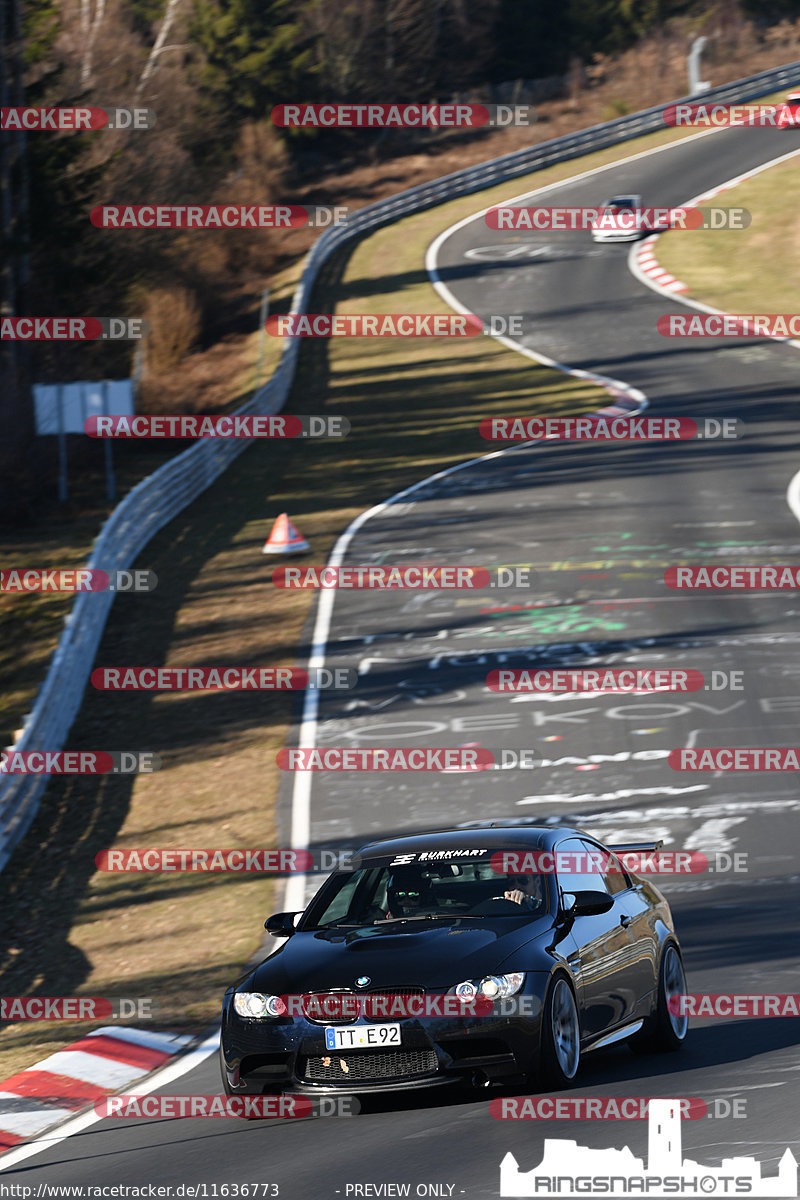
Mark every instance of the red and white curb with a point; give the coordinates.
(100, 1063)
(643, 263)
(649, 265)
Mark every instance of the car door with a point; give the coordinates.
(602, 955)
(636, 913)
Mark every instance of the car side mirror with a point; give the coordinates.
(587, 903)
(281, 924)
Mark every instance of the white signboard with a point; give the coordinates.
(79, 401)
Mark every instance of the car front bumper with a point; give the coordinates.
(623, 235)
(289, 1054)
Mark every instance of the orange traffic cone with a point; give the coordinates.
(285, 539)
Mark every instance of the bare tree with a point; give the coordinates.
(91, 23)
(158, 46)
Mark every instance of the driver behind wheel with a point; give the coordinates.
(525, 890)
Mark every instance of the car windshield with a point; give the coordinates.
(620, 204)
(380, 892)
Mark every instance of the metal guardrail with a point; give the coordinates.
(161, 496)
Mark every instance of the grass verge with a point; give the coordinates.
(744, 270)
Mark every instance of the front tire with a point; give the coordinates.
(666, 1031)
(561, 1035)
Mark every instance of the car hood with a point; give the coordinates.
(404, 954)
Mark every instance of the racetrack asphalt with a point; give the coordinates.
(597, 525)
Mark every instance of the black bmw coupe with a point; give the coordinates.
(493, 954)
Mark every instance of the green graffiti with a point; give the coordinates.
(568, 618)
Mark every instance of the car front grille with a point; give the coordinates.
(346, 1007)
(347, 1068)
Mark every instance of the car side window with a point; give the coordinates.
(349, 887)
(579, 867)
(614, 874)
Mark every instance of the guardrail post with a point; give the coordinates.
(693, 64)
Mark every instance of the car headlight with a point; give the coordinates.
(256, 1004)
(495, 987)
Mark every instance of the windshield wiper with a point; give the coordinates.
(437, 917)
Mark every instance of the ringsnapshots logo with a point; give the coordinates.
(75, 120)
(570, 1170)
(217, 216)
(401, 116)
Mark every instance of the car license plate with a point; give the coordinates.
(351, 1037)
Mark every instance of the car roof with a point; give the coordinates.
(620, 199)
(492, 835)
